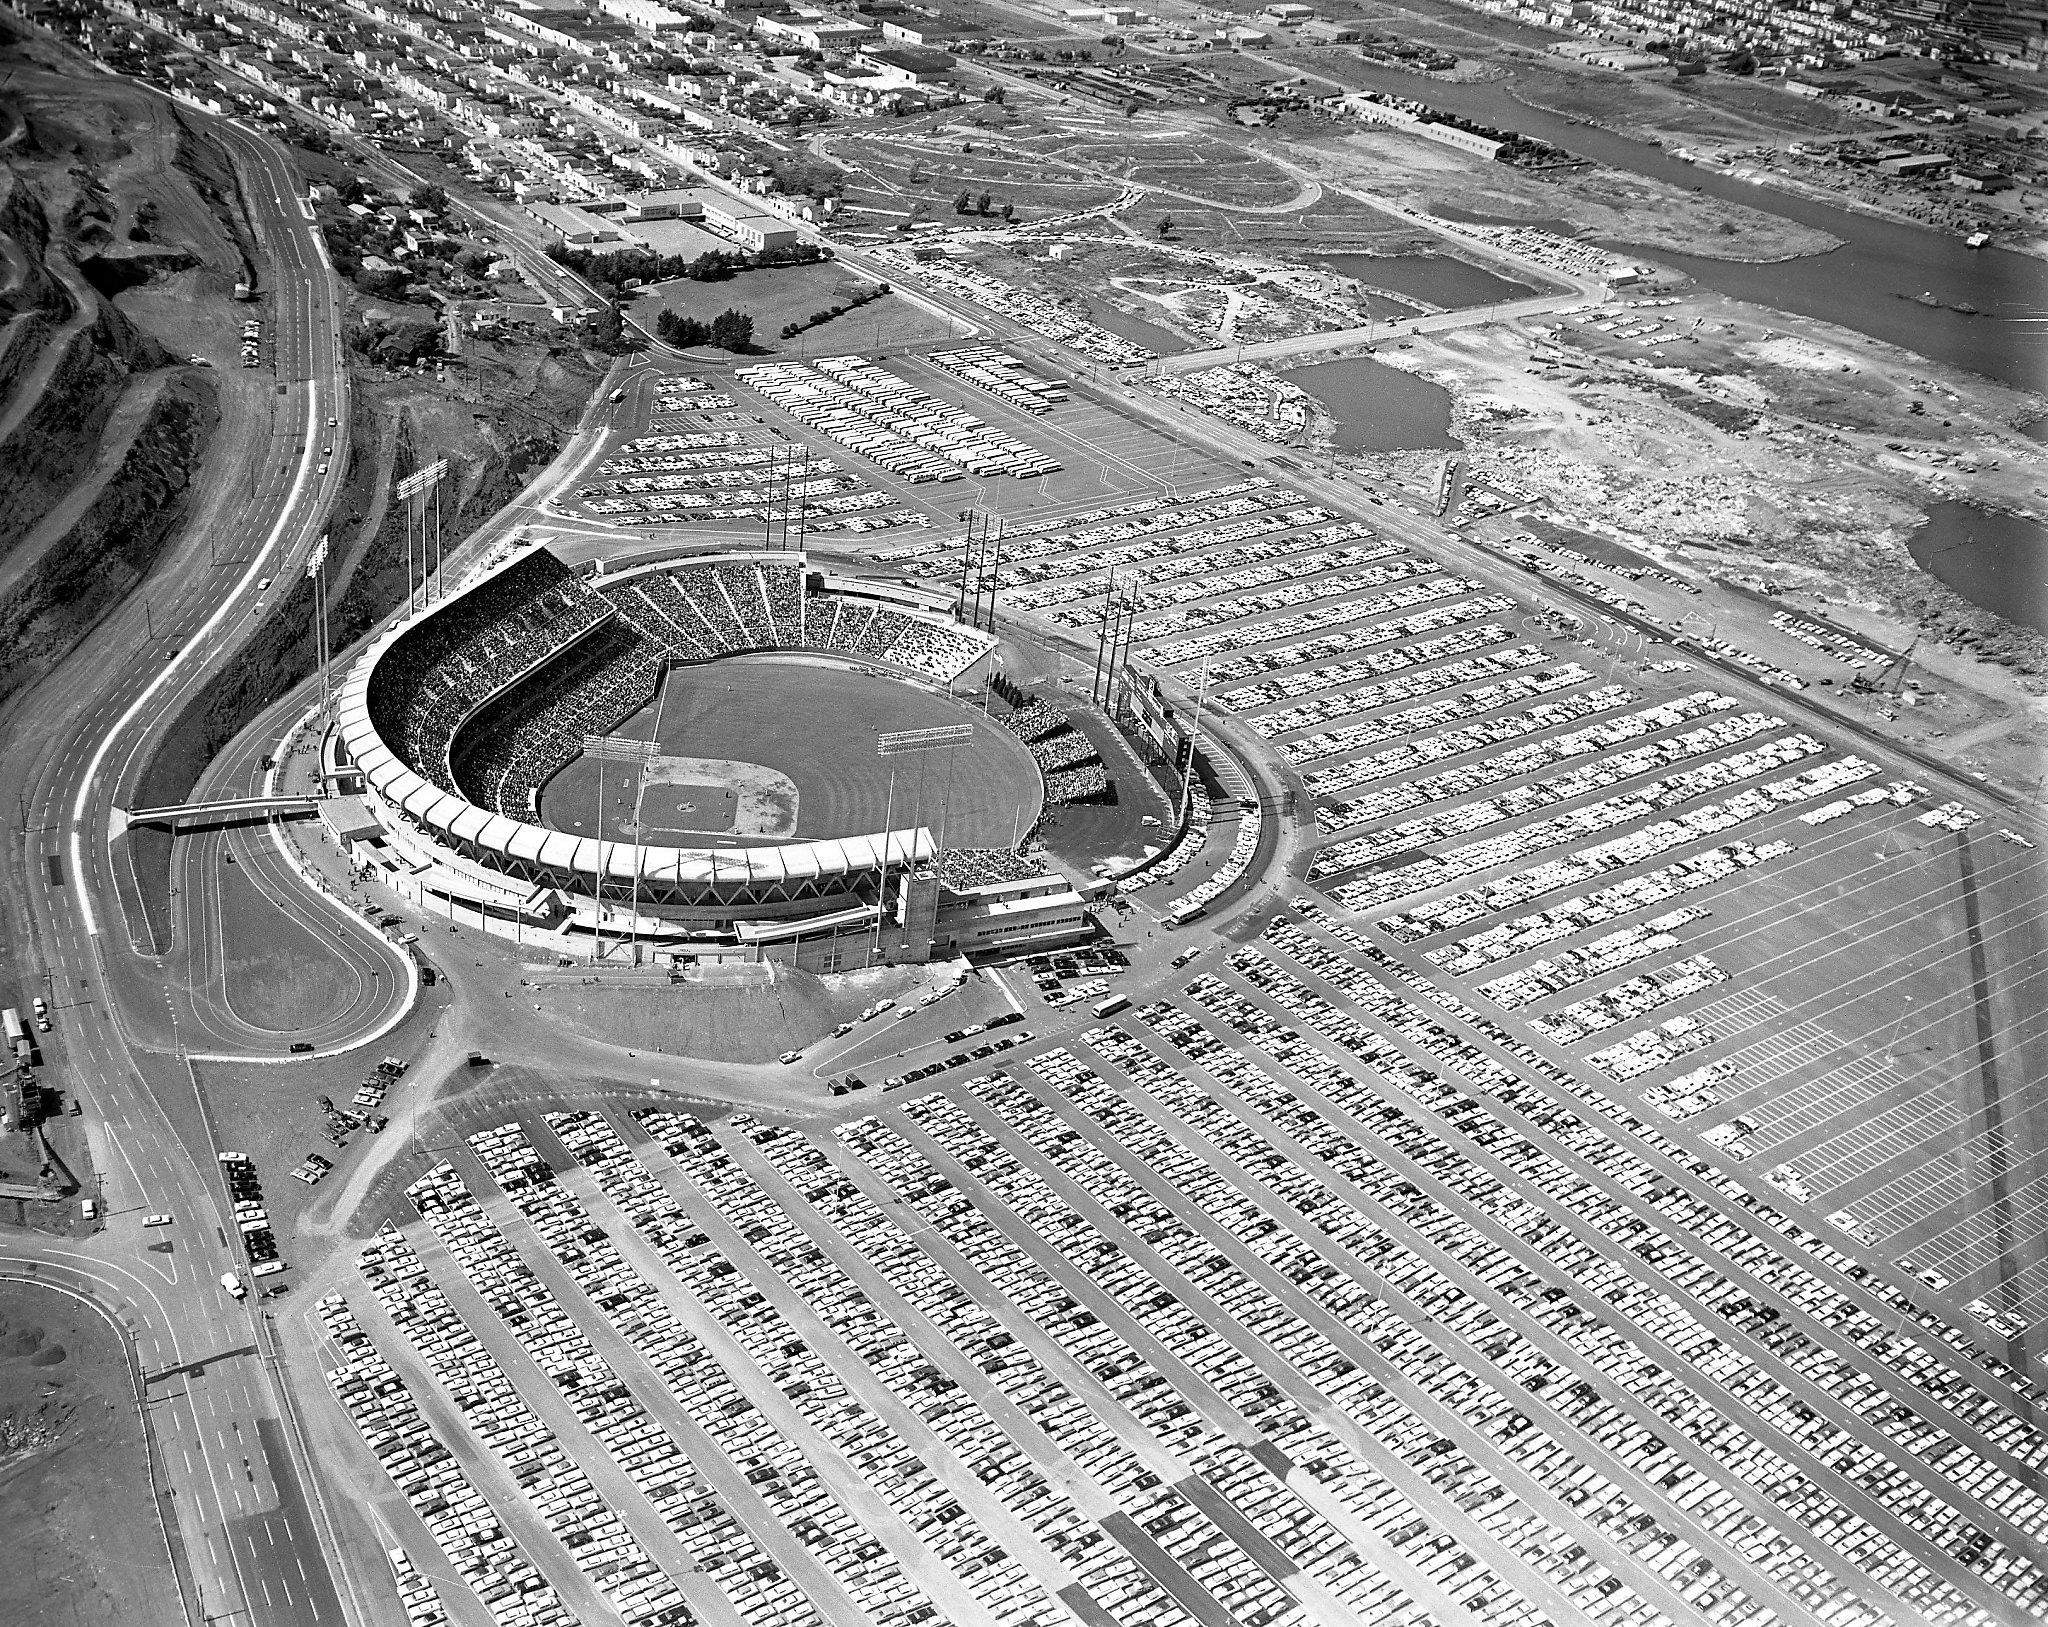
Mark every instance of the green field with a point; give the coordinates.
(816, 724)
(787, 294)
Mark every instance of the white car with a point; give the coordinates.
(156, 1220)
(788, 1057)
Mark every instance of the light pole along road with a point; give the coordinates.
(246, 1522)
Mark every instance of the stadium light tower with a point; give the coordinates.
(314, 563)
(415, 486)
(902, 743)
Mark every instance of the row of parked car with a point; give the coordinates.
(1531, 790)
(1459, 1187)
(558, 1489)
(1522, 675)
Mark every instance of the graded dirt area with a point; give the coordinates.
(84, 1545)
(754, 1022)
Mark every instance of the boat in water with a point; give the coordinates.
(1977, 240)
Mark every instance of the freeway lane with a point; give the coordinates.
(236, 1504)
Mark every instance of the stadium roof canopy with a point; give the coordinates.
(399, 786)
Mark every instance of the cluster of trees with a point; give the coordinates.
(397, 344)
(968, 203)
(811, 176)
(729, 330)
(818, 318)
(616, 266)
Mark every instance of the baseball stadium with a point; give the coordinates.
(720, 755)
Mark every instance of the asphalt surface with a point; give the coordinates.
(233, 1495)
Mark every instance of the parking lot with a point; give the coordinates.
(1598, 1192)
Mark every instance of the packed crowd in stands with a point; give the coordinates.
(963, 868)
(1035, 721)
(429, 692)
(441, 670)
(1064, 755)
(1088, 784)
(515, 748)
(725, 606)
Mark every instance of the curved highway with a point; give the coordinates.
(236, 1500)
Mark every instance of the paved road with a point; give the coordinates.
(1298, 345)
(73, 747)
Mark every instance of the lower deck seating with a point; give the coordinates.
(513, 748)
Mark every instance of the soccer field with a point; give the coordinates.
(813, 728)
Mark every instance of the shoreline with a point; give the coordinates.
(2034, 247)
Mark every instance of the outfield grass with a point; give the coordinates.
(816, 724)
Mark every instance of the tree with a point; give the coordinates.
(607, 328)
(996, 94)
(430, 197)
(981, 204)
(681, 331)
(963, 203)
(1008, 210)
(732, 330)
(1165, 225)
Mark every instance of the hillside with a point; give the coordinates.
(105, 223)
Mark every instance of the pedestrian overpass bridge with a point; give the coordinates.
(179, 816)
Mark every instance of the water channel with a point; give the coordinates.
(1869, 284)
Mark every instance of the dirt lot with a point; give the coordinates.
(756, 1023)
(1785, 453)
(84, 1546)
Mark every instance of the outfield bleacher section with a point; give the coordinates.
(723, 607)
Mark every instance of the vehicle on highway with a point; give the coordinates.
(842, 1030)
(156, 1220)
(788, 1057)
(233, 1284)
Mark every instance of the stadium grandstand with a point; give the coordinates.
(457, 718)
